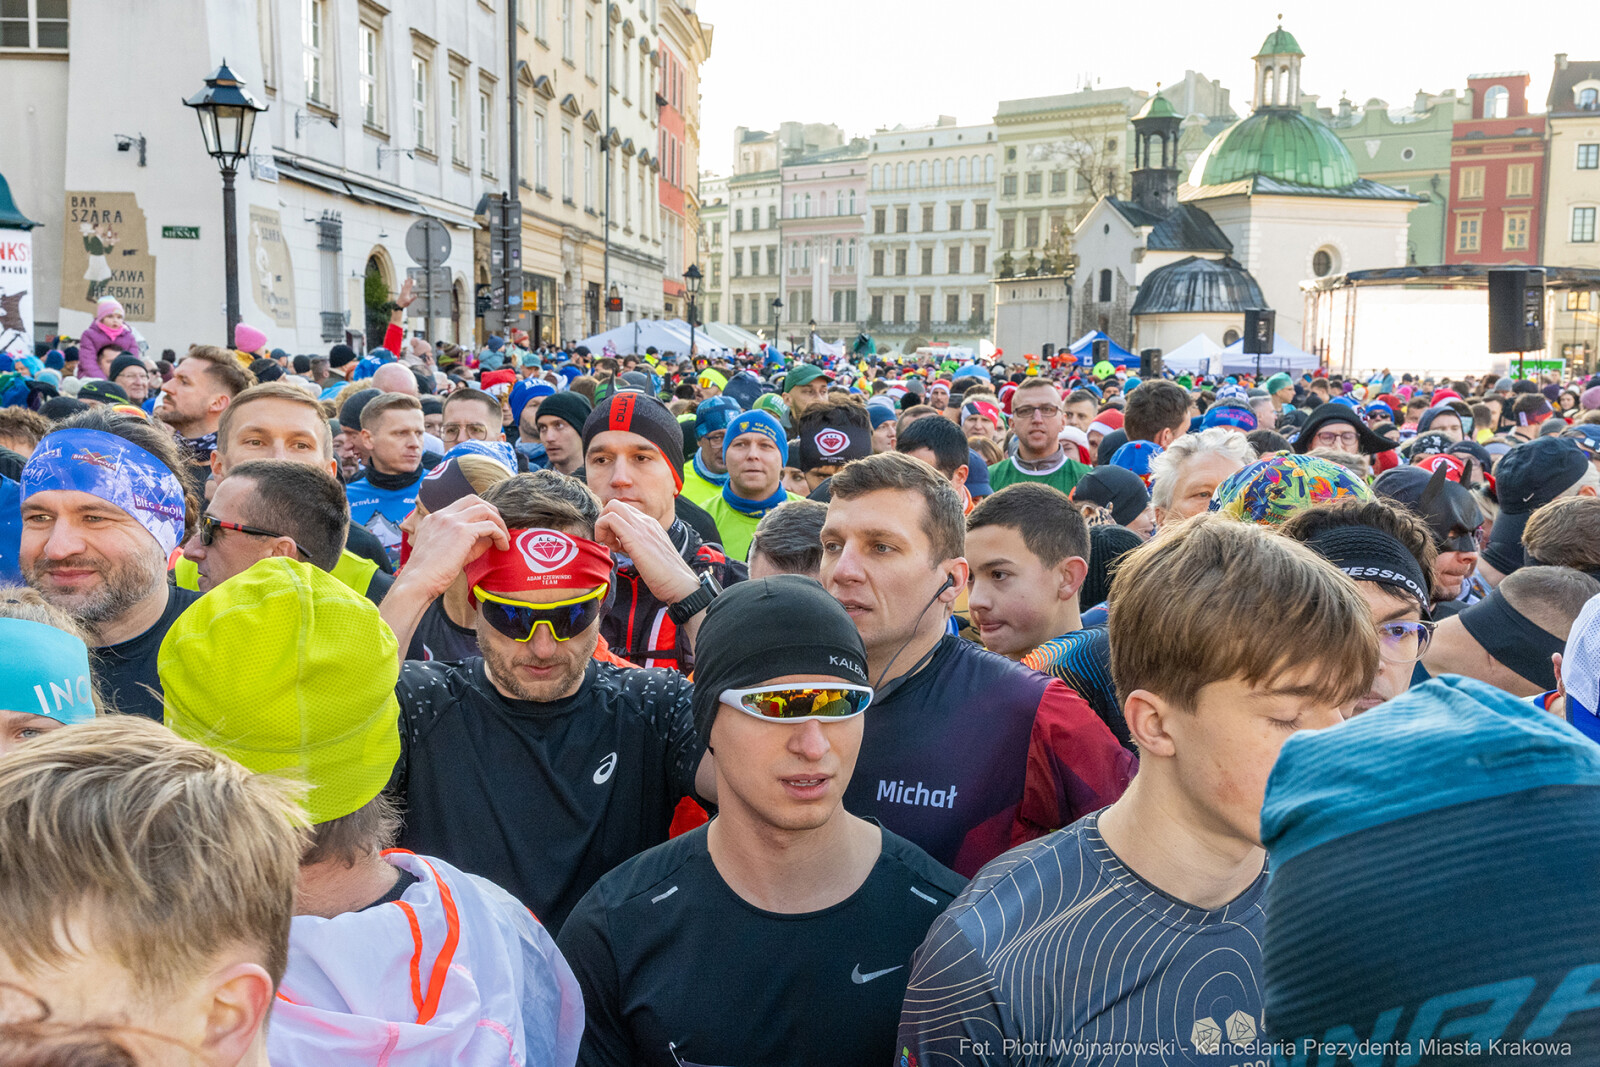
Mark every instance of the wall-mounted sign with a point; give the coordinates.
(181, 233)
(105, 253)
(271, 271)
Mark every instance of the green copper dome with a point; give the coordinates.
(1157, 107)
(1276, 143)
(1280, 42)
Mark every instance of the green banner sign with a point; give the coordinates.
(181, 233)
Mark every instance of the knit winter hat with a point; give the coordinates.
(574, 408)
(639, 413)
(1493, 807)
(108, 305)
(293, 700)
(122, 363)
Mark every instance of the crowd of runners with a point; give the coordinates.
(534, 706)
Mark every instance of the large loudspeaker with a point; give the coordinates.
(1516, 310)
(1150, 363)
(1260, 327)
(1102, 350)
(1048, 352)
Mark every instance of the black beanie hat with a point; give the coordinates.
(573, 407)
(122, 363)
(1107, 546)
(1117, 488)
(837, 435)
(350, 410)
(644, 415)
(107, 392)
(340, 355)
(740, 644)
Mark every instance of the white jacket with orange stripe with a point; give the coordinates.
(456, 972)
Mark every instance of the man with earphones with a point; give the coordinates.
(965, 753)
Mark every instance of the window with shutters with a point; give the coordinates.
(1470, 184)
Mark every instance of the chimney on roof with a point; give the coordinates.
(1561, 61)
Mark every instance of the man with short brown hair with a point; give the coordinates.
(1225, 639)
(1037, 418)
(391, 434)
(202, 386)
(965, 785)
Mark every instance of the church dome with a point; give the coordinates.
(1277, 143)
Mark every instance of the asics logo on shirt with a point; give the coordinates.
(602, 773)
(862, 979)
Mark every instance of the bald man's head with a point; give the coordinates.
(394, 378)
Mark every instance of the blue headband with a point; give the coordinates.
(499, 451)
(115, 470)
(757, 422)
(45, 672)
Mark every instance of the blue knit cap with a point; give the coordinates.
(524, 391)
(1434, 854)
(714, 414)
(757, 422)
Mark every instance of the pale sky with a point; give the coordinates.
(862, 64)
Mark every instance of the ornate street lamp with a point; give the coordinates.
(777, 319)
(811, 337)
(691, 285)
(227, 119)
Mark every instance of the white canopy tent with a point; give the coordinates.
(1291, 359)
(733, 336)
(1198, 355)
(664, 335)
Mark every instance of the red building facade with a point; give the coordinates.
(1496, 175)
(670, 83)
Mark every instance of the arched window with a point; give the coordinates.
(938, 172)
(838, 253)
(1105, 286)
(1496, 102)
(876, 176)
(808, 206)
(927, 173)
(806, 253)
(794, 206)
(1229, 336)
(899, 175)
(838, 202)
(963, 172)
(850, 253)
(852, 210)
(988, 168)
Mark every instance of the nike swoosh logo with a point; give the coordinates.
(862, 979)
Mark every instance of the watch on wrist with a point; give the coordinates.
(695, 602)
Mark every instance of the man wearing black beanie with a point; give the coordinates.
(560, 421)
(666, 574)
(785, 891)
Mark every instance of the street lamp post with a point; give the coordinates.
(227, 119)
(811, 337)
(691, 286)
(777, 320)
